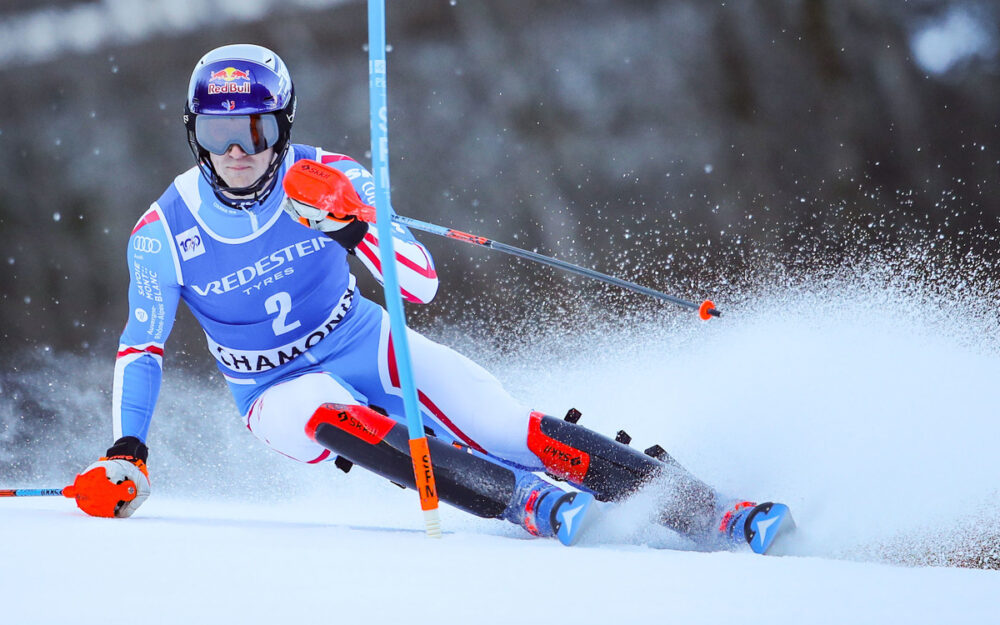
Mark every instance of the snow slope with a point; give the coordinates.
(198, 562)
(865, 403)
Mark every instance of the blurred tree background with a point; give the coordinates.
(680, 143)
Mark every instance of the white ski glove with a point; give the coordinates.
(347, 231)
(315, 218)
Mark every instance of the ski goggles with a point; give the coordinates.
(253, 133)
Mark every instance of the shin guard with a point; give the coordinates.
(614, 471)
(585, 458)
(380, 444)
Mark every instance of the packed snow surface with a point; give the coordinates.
(866, 405)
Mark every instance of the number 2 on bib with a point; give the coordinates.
(280, 304)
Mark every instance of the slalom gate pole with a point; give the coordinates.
(35, 492)
(706, 309)
(377, 89)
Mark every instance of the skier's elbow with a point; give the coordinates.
(420, 290)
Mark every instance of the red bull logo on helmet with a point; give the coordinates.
(229, 80)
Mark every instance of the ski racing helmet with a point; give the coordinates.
(239, 94)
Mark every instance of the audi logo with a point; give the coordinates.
(146, 244)
(190, 243)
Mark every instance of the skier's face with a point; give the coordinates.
(239, 169)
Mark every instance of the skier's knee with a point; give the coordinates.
(278, 416)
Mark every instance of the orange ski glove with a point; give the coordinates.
(117, 484)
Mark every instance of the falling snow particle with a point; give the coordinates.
(56, 216)
(951, 39)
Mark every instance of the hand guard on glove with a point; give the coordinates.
(323, 198)
(116, 485)
(347, 231)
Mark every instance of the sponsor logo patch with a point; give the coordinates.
(190, 243)
(266, 270)
(359, 421)
(560, 459)
(146, 245)
(229, 80)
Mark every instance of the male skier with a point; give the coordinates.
(310, 361)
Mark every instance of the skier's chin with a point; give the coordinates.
(240, 177)
(239, 182)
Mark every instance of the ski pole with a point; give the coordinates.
(39, 492)
(378, 99)
(705, 310)
(330, 189)
(94, 493)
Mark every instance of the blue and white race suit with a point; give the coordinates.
(286, 324)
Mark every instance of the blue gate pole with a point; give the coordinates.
(377, 87)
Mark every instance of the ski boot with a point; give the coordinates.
(756, 524)
(547, 510)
